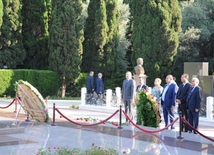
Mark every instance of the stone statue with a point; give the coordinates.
(139, 72)
(139, 68)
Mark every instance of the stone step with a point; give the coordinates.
(11, 130)
(7, 140)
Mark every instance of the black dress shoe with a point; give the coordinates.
(172, 128)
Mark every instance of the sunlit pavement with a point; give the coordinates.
(129, 140)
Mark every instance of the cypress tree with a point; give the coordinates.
(12, 52)
(35, 33)
(101, 37)
(95, 36)
(109, 62)
(156, 25)
(1, 12)
(65, 40)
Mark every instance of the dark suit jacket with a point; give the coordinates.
(170, 95)
(99, 85)
(183, 93)
(139, 87)
(194, 101)
(90, 83)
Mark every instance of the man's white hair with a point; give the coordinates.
(196, 80)
(100, 74)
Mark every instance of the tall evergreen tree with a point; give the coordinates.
(156, 25)
(65, 41)
(1, 12)
(101, 37)
(12, 52)
(95, 36)
(35, 33)
(109, 62)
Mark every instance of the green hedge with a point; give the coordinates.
(44, 80)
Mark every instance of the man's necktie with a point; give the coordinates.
(189, 94)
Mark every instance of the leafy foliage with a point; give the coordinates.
(196, 38)
(35, 33)
(1, 12)
(65, 41)
(156, 25)
(12, 51)
(147, 110)
(45, 81)
(101, 38)
(94, 150)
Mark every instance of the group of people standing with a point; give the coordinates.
(187, 96)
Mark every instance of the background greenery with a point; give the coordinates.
(74, 36)
(44, 80)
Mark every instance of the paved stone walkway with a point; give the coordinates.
(130, 139)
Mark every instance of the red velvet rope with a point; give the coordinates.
(101, 122)
(9, 104)
(185, 121)
(149, 131)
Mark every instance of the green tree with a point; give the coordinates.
(101, 37)
(12, 52)
(95, 36)
(156, 25)
(1, 12)
(65, 40)
(109, 61)
(196, 37)
(35, 33)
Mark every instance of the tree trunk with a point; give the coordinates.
(63, 87)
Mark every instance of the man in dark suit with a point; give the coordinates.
(168, 100)
(128, 91)
(181, 98)
(194, 103)
(90, 82)
(141, 84)
(99, 84)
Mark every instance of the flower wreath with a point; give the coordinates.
(36, 92)
(147, 110)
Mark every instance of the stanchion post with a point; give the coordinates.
(15, 105)
(120, 127)
(53, 123)
(27, 120)
(180, 125)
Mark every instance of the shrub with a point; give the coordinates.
(94, 150)
(147, 110)
(45, 81)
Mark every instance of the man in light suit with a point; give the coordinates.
(168, 99)
(194, 103)
(99, 84)
(90, 82)
(181, 98)
(128, 92)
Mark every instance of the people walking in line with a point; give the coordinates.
(99, 84)
(128, 91)
(168, 100)
(181, 99)
(90, 82)
(194, 103)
